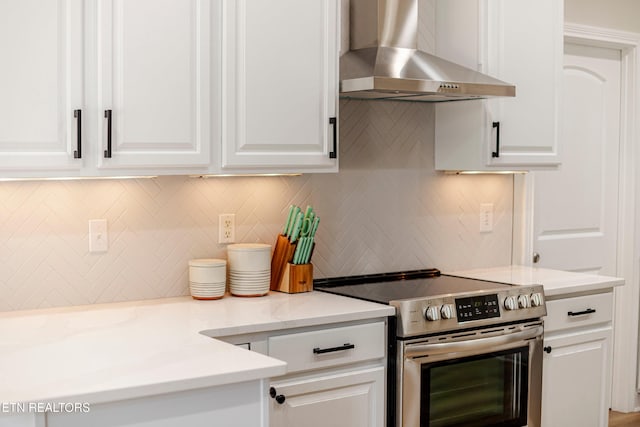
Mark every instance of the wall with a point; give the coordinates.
(619, 14)
(387, 210)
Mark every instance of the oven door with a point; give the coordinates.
(489, 377)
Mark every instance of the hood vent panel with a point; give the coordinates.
(384, 61)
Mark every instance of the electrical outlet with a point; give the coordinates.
(98, 237)
(486, 217)
(226, 228)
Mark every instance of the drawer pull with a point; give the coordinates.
(581, 313)
(319, 350)
(547, 349)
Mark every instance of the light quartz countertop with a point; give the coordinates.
(108, 352)
(556, 283)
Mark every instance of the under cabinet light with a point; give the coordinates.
(76, 178)
(484, 172)
(229, 175)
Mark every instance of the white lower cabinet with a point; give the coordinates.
(335, 377)
(238, 405)
(353, 399)
(335, 374)
(577, 362)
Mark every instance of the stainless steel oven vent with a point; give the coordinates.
(385, 63)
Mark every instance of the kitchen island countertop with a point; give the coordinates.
(556, 283)
(107, 352)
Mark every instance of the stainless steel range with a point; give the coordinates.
(462, 352)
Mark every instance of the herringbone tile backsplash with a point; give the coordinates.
(387, 210)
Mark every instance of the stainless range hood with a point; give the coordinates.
(384, 61)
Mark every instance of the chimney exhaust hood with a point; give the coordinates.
(384, 61)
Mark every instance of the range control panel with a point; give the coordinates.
(477, 307)
(451, 312)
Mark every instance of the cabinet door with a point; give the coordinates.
(41, 81)
(153, 74)
(525, 47)
(280, 85)
(519, 42)
(354, 399)
(575, 380)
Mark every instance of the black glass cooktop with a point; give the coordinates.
(406, 285)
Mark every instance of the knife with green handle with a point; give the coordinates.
(304, 250)
(292, 223)
(286, 224)
(304, 257)
(296, 254)
(314, 227)
(308, 212)
(296, 227)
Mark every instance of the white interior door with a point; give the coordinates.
(576, 207)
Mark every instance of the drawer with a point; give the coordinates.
(329, 347)
(578, 311)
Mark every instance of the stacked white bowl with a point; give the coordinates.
(249, 269)
(207, 278)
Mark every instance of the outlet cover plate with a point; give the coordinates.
(226, 228)
(98, 236)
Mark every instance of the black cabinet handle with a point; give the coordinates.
(107, 152)
(280, 398)
(581, 313)
(347, 346)
(496, 153)
(334, 154)
(547, 349)
(77, 154)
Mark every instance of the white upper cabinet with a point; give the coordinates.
(153, 82)
(41, 85)
(517, 41)
(69, 62)
(156, 87)
(279, 85)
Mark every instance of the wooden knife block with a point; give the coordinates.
(282, 254)
(296, 278)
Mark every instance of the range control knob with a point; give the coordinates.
(523, 301)
(510, 303)
(432, 313)
(536, 299)
(447, 311)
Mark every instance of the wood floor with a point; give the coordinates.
(618, 419)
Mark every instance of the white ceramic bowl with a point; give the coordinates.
(207, 270)
(249, 257)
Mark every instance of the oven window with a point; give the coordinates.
(489, 390)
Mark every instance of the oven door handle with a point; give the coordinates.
(419, 350)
